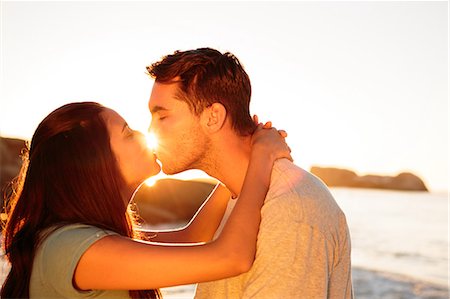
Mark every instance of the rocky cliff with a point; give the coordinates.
(336, 177)
(10, 161)
(169, 200)
(172, 200)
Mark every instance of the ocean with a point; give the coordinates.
(398, 232)
(394, 232)
(402, 235)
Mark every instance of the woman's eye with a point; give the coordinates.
(130, 132)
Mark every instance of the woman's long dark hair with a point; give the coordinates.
(69, 175)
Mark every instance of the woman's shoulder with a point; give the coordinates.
(71, 237)
(57, 257)
(72, 231)
(75, 228)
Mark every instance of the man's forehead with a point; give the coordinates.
(164, 96)
(157, 108)
(169, 88)
(159, 103)
(162, 92)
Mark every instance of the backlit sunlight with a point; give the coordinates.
(152, 140)
(188, 175)
(152, 180)
(193, 174)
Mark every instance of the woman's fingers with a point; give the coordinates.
(255, 119)
(283, 133)
(268, 125)
(273, 141)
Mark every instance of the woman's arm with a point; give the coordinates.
(205, 222)
(121, 263)
(202, 226)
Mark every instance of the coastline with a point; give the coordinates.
(367, 284)
(371, 284)
(404, 257)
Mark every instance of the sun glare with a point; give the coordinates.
(152, 180)
(152, 141)
(187, 175)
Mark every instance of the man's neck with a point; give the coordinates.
(230, 159)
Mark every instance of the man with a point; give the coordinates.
(200, 114)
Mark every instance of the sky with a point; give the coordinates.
(358, 85)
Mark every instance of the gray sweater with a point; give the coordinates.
(303, 247)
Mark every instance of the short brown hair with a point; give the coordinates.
(206, 76)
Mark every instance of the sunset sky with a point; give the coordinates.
(360, 85)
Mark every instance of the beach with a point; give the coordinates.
(367, 284)
(399, 232)
(399, 245)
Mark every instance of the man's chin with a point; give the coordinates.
(171, 172)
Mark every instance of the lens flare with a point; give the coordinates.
(152, 141)
(152, 180)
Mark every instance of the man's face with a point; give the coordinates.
(134, 158)
(182, 143)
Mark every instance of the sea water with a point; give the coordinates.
(399, 232)
(396, 232)
(391, 231)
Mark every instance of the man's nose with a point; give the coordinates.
(152, 129)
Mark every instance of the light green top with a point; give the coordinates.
(56, 259)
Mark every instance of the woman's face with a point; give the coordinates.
(136, 161)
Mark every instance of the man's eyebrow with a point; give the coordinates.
(157, 109)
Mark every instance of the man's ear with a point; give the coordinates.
(213, 117)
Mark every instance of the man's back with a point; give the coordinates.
(303, 248)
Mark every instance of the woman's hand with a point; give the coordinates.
(270, 142)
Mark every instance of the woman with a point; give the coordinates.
(70, 234)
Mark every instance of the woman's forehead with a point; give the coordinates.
(112, 118)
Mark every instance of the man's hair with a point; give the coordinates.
(204, 77)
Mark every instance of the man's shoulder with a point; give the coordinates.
(296, 188)
(296, 193)
(286, 164)
(288, 177)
